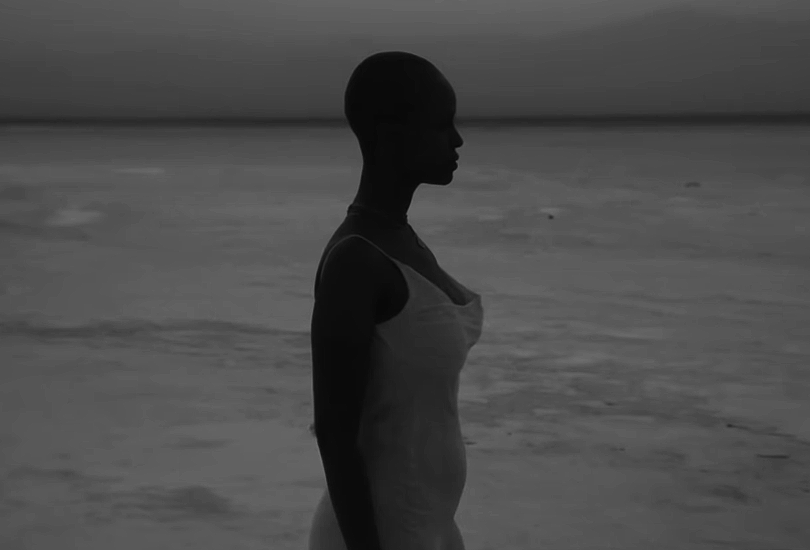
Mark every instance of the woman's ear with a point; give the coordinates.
(392, 138)
(391, 131)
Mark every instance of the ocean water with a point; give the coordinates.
(224, 225)
(664, 270)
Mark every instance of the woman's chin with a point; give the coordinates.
(444, 179)
(441, 175)
(445, 176)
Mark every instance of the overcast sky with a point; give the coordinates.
(290, 58)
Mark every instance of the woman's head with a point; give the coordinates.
(402, 109)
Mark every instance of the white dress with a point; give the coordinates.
(410, 436)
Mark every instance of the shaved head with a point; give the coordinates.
(388, 88)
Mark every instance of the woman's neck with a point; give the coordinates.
(385, 193)
(388, 218)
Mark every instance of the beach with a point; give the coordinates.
(642, 380)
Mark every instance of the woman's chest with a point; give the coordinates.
(406, 248)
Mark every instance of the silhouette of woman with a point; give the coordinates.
(390, 329)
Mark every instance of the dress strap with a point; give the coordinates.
(326, 258)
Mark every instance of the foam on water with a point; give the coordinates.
(71, 217)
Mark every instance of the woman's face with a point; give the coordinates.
(424, 150)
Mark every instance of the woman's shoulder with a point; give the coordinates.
(374, 237)
(346, 237)
(344, 253)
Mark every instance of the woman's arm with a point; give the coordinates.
(341, 331)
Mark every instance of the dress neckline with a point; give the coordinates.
(475, 297)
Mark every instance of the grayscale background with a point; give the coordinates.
(171, 171)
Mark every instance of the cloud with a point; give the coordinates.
(668, 60)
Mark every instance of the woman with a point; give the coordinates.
(390, 329)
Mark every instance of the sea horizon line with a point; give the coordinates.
(685, 119)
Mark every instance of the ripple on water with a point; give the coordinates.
(582, 359)
(623, 333)
(71, 217)
(141, 171)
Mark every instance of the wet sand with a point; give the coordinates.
(642, 380)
